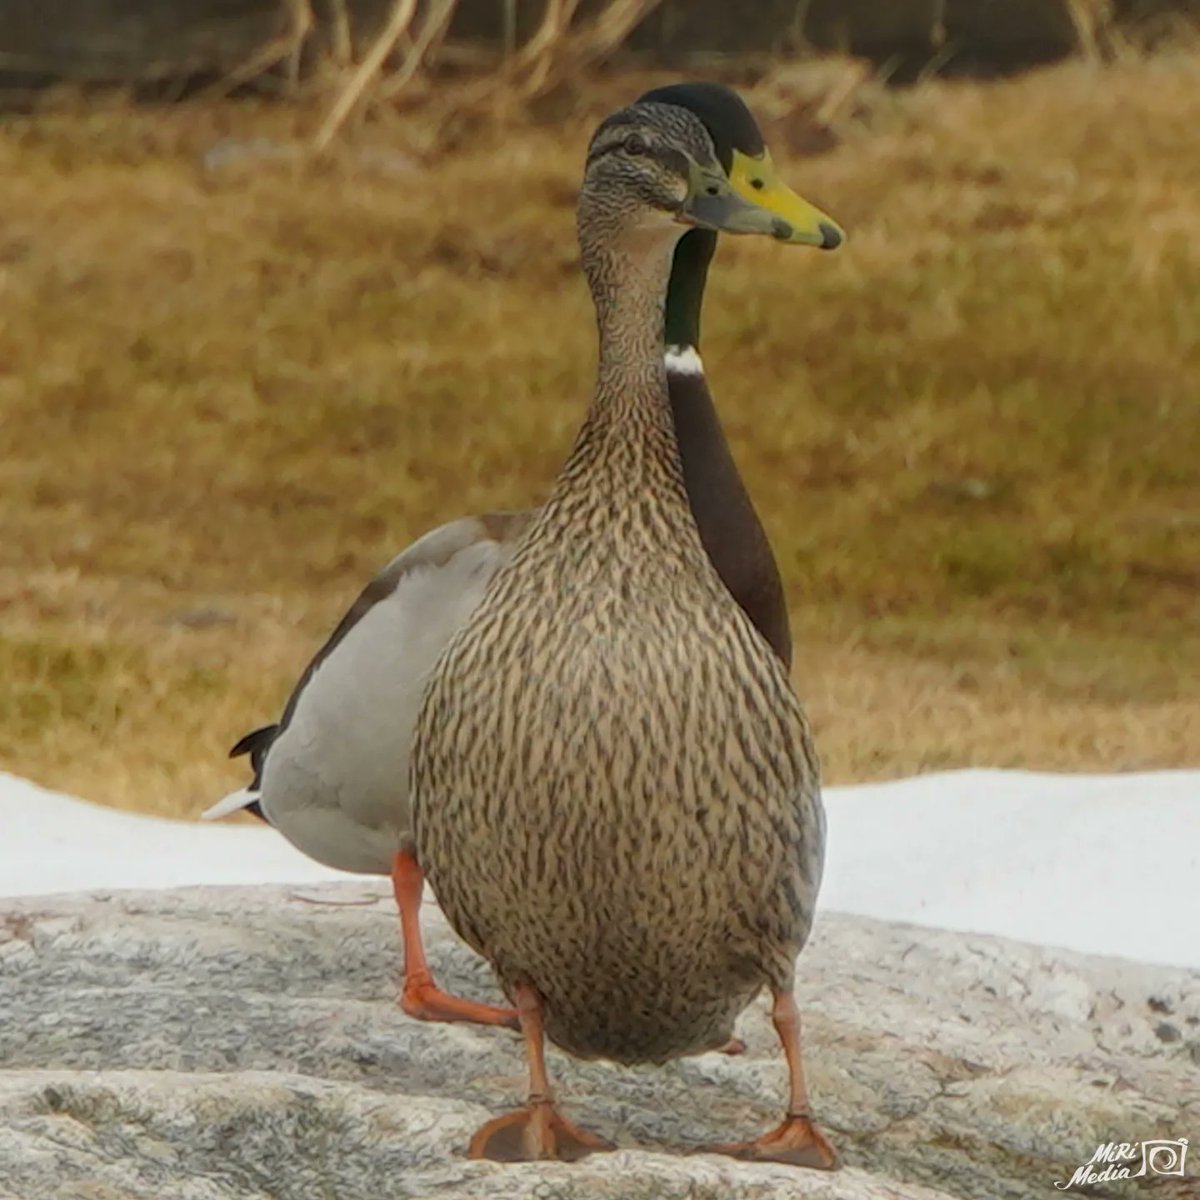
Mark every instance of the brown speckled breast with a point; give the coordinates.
(616, 797)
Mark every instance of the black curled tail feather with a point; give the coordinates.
(256, 744)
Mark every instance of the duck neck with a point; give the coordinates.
(630, 403)
(685, 292)
(730, 530)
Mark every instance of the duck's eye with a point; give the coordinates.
(635, 144)
(757, 184)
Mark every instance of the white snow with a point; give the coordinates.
(55, 843)
(1100, 864)
(1104, 864)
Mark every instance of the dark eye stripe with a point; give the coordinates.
(665, 156)
(614, 123)
(672, 159)
(608, 148)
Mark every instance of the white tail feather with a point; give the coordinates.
(231, 804)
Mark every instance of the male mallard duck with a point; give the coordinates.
(615, 794)
(332, 775)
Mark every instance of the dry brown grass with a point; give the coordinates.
(227, 396)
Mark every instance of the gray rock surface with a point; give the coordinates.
(213, 1043)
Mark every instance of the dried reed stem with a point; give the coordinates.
(433, 30)
(286, 45)
(341, 43)
(403, 12)
(562, 53)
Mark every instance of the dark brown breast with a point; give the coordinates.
(729, 527)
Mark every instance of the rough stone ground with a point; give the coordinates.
(214, 1043)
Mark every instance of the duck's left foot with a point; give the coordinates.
(732, 1047)
(425, 1001)
(535, 1133)
(798, 1142)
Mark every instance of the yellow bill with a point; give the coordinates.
(754, 179)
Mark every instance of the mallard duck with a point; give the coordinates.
(615, 794)
(331, 775)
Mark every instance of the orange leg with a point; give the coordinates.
(422, 998)
(798, 1141)
(538, 1131)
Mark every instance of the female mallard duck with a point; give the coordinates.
(615, 794)
(332, 774)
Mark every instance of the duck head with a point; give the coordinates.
(654, 165)
(740, 149)
(743, 154)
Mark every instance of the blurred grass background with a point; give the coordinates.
(235, 381)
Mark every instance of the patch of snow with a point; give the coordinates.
(1103, 864)
(55, 843)
(1099, 864)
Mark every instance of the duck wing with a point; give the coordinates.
(371, 668)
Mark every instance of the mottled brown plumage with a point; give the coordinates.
(616, 796)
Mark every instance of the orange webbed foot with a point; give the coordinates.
(425, 1001)
(421, 997)
(535, 1133)
(732, 1047)
(798, 1142)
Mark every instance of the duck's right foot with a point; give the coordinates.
(798, 1142)
(425, 1001)
(535, 1133)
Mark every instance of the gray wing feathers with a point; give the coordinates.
(334, 779)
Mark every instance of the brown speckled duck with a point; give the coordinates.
(615, 793)
(332, 774)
